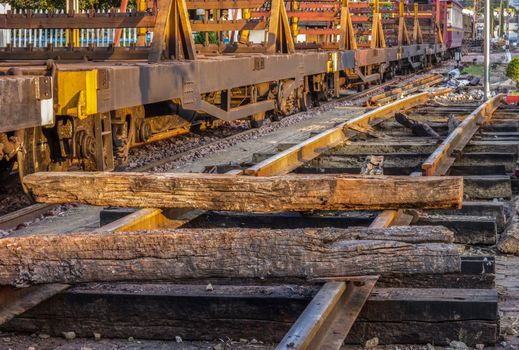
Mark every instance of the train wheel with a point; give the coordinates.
(324, 94)
(121, 145)
(275, 117)
(306, 101)
(34, 154)
(256, 121)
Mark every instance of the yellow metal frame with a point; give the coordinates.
(295, 21)
(172, 35)
(403, 34)
(77, 93)
(417, 30)
(279, 36)
(244, 35)
(348, 41)
(378, 40)
(72, 35)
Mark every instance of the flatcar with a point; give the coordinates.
(79, 88)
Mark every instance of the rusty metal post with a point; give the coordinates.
(295, 21)
(417, 31)
(72, 35)
(244, 35)
(475, 20)
(141, 32)
(437, 24)
(118, 32)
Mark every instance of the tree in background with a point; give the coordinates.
(512, 70)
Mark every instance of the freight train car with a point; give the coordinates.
(468, 27)
(79, 88)
(453, 36)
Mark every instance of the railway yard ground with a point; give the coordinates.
(428, 262)
(475, 307)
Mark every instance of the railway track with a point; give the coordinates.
(484, 143)
(144, 157)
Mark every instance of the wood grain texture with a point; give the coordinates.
(509, 241)
(247, 193)
(164, 310)
(232, 253)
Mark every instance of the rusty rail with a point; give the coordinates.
(452, 147)
(328, 318)
(290, 159)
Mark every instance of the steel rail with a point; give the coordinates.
(451, 148)
(440, 160)
(292, 158)
(327, 320)
(12, 220)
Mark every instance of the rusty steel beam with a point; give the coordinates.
(223, 4)
(320, 31)
(327, 320)
(318, 5)
(292, 158)
(222, 26)
(452, 147)
(385, 97)
(11, 220)
(78, 21)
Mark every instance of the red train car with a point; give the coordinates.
(451, 23)
(453, 33)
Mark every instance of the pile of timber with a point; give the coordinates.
(414, 301)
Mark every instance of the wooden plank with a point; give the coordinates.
(16, 301)
(164, 310)
(467, 229)
(487, 187)
(470, 332)
(203, 253)
(411, 146)
(77, 21)
(509, 241)
(246, 193)
(328, 318)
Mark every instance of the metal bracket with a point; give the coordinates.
(43, 88)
